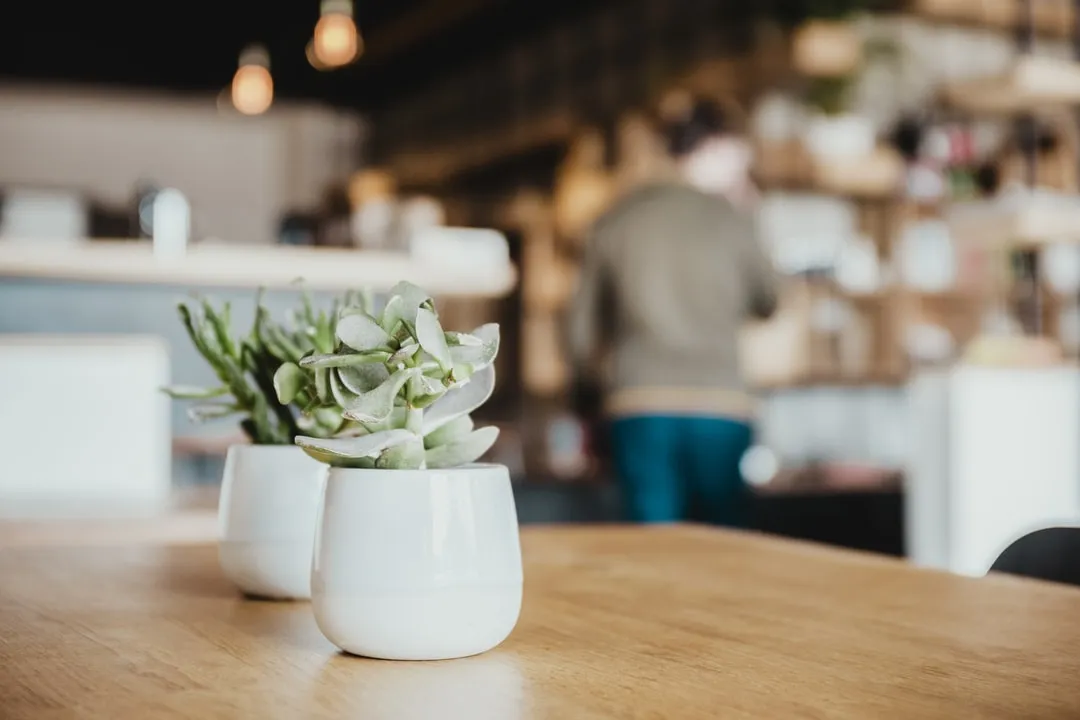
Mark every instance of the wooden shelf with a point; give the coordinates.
(1034, 82)
(1032, 223)
(876, 178)
(997, 15)
(836, 381)
(275, 267)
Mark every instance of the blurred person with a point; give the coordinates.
(669, 274)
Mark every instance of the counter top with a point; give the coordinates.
(272, 266)
(683, 622)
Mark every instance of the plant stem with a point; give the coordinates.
(414, 420)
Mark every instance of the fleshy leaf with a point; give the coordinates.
(202, 413)
(355, 447)
(405, 353)
(468, 359)
(344, 360)
(363, 378)
(405, 300)
(454, 339)
(190, 392)
(288, 380)
(423, 390)
(377, 404)
(361, 332)
(343, 396)
(322, 384)
(452, 431)
(406, 456)
(395, 420)
(464, 451)
(322, 421)
(429, 334)
(393, 314)
(460, 400)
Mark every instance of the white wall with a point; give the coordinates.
(240, 173)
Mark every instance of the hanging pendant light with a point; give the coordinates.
(252, 86)
(336, 41)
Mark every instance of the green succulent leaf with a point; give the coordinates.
(322, 422)
(362, 333)
(454, 339)
(355, 447)
(322, 384)
(325, 329)
(405, 300)
(377, 404)
(288, 380)
(429, 334)
(469, 358)
(395, 420)
(204, 413)
(424, 390)
(220, 327)
(341, 360)
(453, 431)
(190, 392)
(469, 449)
(343, 396)
(363, 378)
(406, 456)
(460, 400)
(404, 356)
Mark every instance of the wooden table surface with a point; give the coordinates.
(678, 622)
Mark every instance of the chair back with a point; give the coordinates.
(1051, 554)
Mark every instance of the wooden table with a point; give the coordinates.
(679, 622)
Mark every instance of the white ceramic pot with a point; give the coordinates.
(269, 507)
(417, 564)
(839, 137)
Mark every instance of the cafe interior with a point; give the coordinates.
(469, 147)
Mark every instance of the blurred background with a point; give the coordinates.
(917, 171)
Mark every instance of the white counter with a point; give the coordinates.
(250, 266)
(995, 456)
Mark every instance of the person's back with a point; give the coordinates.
(682, 272)
(669, 275)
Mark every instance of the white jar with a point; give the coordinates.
(269, 507)
(417, 564)
(839, 137)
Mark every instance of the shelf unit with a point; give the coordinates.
(244, 266)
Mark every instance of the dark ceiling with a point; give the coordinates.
(194, 45)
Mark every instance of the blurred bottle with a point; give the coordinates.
(334, 220)
(142, 218)
(298, 229)
(374, 221)
(170, 223)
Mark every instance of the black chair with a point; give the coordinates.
(1049, 554)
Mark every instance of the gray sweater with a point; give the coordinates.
(668, 277)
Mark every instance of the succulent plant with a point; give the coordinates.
(403, 387)
(246, 368)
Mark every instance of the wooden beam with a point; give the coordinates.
(418, 25)
(430, 166)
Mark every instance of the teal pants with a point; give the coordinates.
(682, 468)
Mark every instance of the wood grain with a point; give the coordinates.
(680, 622)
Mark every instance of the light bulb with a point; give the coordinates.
(312, 58)
(252, 86)
(336, 40)
(252, 90)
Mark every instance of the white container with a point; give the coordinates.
(417, 564)
(839, 136)
(269, 507)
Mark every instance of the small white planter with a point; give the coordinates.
(269, 507)
(839, 137)
(417, 564)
